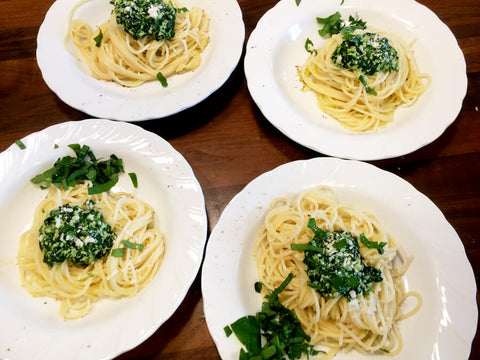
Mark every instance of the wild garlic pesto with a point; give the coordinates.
(369, 53)
(334, 265)
(140, 18)
(76, 234)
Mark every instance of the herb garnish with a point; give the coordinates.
(132, 245)
(367, 88)
(118, 252)
(134, 179)
(334, 265)
(162, 79)
(68, 171)
(309, 45)
(373, 244)
(20, 144)
(334, 24)
(280, 328)
(98, 38)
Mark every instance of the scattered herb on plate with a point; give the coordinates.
(20, 144)
(134, 179)
(162, 79)
(334, 24)
(68, 171)
(279, 327)
(98, 38)
(309, 46)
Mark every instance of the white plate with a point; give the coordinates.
(446, 321)
(276, 47)
(29, 325)
(71, 81)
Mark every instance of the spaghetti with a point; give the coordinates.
(341, 93)
(78, 287)
(367, 323)
(117, 56)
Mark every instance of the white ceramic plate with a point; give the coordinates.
(30, 327)
(71, 81)
(276, 47)
(446, 321)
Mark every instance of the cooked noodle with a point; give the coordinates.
(131, 62)
(366, 323)
(78, 287)
(341, 95)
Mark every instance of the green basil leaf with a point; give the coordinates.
(118, 252)
(20, 144)
(162, 79)
(99, 188)
(98, 38)
(132, 245)
(368, 88)
(134, 179)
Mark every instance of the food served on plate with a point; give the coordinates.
(360, 77)
(143, 40)
(336, 272)
(87, 243)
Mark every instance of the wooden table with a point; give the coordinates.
(222, 137)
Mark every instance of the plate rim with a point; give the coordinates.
(101, 99)
(363, 146)
(212, 262)
(154, 319)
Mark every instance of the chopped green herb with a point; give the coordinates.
(385, 351)
(305, 247)
(134, 179)
(367, 88)
(55, 146)
(98, 38)
(279, 327)
(162, 79)
(373, 244)
(118, 252)
(298, 2)
(182, 10)
(258, 286)
(228, 331)
(334, 24)
(132, 245)
(68, 171)
(100, 188)
(76, 234)
(91, 274)
(334, 265)
(309, 46)
(20, 144)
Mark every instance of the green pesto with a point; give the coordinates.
(334, 265)
(140, 18)
(76, 234)
(370, 53)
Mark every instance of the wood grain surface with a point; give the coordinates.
(228, 142)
